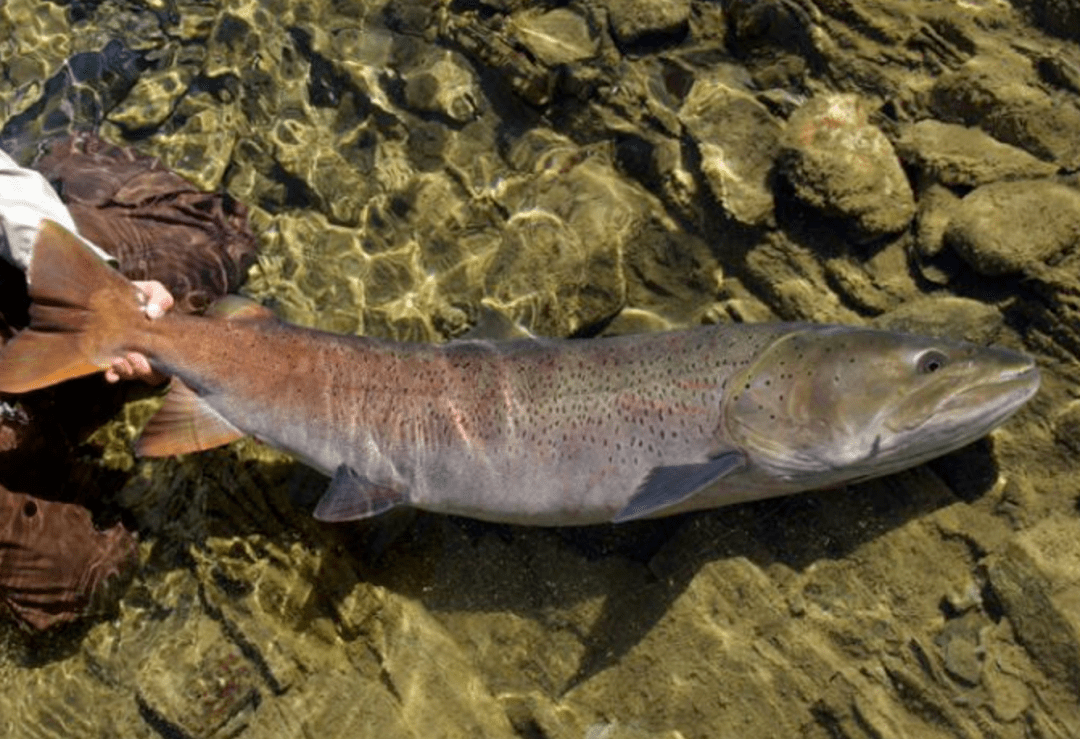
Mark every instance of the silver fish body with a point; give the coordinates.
(535, 431)
(558, 432)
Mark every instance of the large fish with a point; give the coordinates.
(533, 431)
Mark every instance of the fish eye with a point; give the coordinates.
(930, 361)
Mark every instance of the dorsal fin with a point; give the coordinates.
(239, 308)
(495, 326)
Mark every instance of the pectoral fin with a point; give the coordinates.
(668, 486)
(351, 496)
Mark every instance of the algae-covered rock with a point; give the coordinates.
(966, 157)
(842, 166)
(635, 20)
(1008, 227)
(213, 698)
(1037, 584)
(961, 318)
(559, 36)
(737, 143)
(936, 206)
(1000, 96)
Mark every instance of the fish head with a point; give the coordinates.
(827, 405)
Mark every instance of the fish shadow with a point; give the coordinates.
(606, 587)
(639, 569)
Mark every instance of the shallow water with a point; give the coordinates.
(588, 168)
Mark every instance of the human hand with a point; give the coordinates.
(134, 365)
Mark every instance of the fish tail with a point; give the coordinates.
(82, 313)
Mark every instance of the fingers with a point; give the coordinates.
(158, 299)
(133, 366)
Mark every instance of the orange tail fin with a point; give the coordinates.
(81, 312)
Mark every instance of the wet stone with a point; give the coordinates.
(1007, 227)
(961, 318)
(1039, 590)
(838, 163)
(936, 206)
(152, 99)
(558, 36)
(1062, 19)
(633, 21)
(966, 157)
(988, 92)
(214, 697)
(447, 87)
(737, 141)
(256, 600)
(961, 651)
(567, 229)
(427, 670)
(1067, 426)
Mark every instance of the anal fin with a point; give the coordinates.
(351, 497)
(668, 486)
(185, 423)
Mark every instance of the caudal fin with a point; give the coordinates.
(80, 313)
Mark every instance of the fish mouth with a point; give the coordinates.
(985, 405)
(1011, 389)
(971, 412)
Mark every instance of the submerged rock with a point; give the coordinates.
(635, 20)
(446, 86)
(943, 315)
(839, 164)
(1037, 584)
(966, 157)
(990, 93)
(1007, 227)
(737, 142)
(559, 36)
